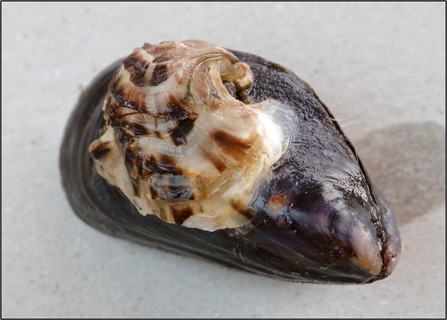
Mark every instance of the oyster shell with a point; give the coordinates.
(228, 157)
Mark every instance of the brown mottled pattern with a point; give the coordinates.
(174, 110)
(230, 144)
(175, 117)
(166, 164)
(183, 128)
(139, 164)
(136, 187)
(139, 129)
(160, 59)
(122, 135)
(130, 161)
(170, 186)
(181, 214)
(123, 97)
(137, 66)
(214, 159)
(153, 191)
(159, 75)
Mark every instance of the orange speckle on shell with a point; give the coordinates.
(277, 199)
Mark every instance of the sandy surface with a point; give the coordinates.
(379, 67)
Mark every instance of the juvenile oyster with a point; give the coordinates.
(178, 144)
(225, 156)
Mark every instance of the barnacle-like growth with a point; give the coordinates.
(181, 140)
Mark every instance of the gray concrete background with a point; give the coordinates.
(379, 67)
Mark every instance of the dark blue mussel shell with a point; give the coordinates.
(333, 225)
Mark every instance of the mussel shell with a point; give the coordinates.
(289, 250)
